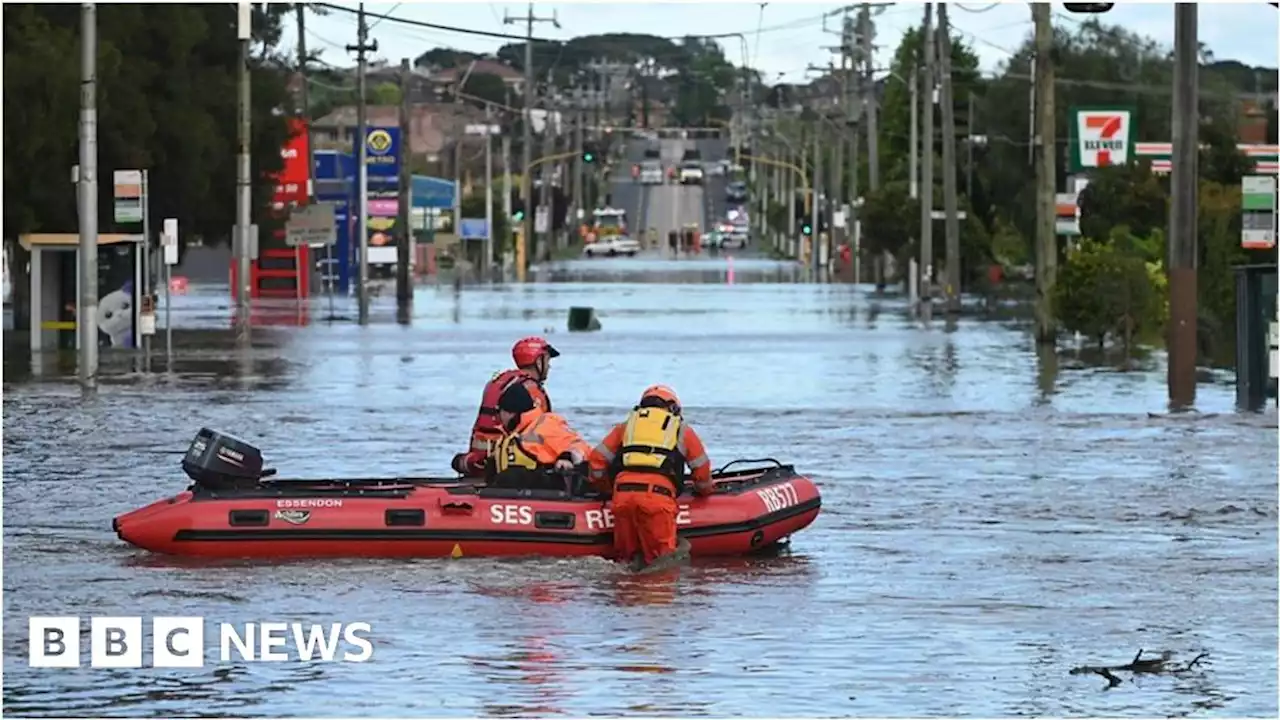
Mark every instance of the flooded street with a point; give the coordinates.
(987, 524)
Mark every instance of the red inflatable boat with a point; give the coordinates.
(232, 511)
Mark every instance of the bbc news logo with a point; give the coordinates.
(179, 642)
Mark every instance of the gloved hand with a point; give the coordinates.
(564, 466)
(459, 463)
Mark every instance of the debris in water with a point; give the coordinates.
(1138, 665)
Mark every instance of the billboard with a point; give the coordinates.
(1100, 137)
(382, 163)
(291, 181)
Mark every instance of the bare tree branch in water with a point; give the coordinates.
(1138, 665)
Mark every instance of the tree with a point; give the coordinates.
(486, 86)
(1105, 292)
(387, 93)
(167, 100)
(1123, 195)
(445, 58)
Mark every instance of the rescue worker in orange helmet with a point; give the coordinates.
(533, 363)
(536, 441)
(644, 459)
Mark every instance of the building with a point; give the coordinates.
(432, 126)
(446, 80)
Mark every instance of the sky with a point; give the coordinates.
(791, 34)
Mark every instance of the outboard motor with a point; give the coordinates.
(221, 462)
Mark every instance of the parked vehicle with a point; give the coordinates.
(612, 246)
(736, 192)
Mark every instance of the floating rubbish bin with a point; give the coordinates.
(583, 319)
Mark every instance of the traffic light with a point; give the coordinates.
(807, 229)
(588, 154)
(517, 206)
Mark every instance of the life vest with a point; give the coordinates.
(514, 467)
(650, 445)
(509, 454)
(488, 427)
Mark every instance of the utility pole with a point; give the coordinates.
(949, 202)
(526, 150)
(1045, 143)
(869, 102)
(913, 82)
(87, 312)
(968, 168)
(926, 173)
(487, 267)
(816, 190)
(361, 47)
(579, 121)
(244, 187)
(1183, 211)
(404, 286)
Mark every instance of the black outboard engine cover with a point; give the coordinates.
(222, 462)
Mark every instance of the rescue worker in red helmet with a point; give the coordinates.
(642, 461)
(538, 450)
(532, 356)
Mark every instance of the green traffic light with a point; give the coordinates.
(588, 157)
(518, 215)
(807, 229)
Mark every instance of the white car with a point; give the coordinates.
(735, 240)
(651, 174)
(714, 169)
(691, 173)
(712, 239)
(612, 247)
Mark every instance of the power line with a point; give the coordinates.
(992, 6)
(434, 26)
(790, 25)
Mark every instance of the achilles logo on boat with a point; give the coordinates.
(294, 517)
(118, 642)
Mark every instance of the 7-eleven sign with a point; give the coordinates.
(1103, 137)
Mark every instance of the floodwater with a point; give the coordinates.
(988, 523)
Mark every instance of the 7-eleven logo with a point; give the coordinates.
(1103, 136)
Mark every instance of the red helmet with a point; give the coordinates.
(663, 393)
(527, 351)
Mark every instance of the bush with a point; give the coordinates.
(1107, 289)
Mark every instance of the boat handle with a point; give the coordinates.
(731, 463)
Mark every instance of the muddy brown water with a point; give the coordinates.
(987, 524)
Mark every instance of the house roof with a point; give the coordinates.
(483, 66)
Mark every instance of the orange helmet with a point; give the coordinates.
(527, 351)
(663, 393)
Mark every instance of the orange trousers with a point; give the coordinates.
(644, 523)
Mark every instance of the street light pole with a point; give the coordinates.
(87, 313)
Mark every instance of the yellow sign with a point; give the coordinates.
(379, 141)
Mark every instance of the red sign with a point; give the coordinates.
(291, 183)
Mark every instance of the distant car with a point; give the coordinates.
(712, 239)
(736, 240)
(736, 192)
(713, 169)
(691, 173)
(651, 173)
(612, 246)
(653, 152)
